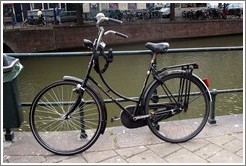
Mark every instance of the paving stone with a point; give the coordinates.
(234, 145)
(135, 137)
(74, 159)
(220, 140)
(225, 156)
(116, 159)
(26, 159)
(25, 144)
(7, 144)
(222, 126)
(55, 158)
(184, 156)
(164, 148)
(104, 142)
(129, 152)
(240, 153)
(194, 144)
(146, 157)
(238, 135)
(208, 150)
(95, 157)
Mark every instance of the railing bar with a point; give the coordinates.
(230, 91)
(26, 104)
(134, 52)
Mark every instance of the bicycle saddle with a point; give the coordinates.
(158, 48)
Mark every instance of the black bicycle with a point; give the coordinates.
(34, 21)
(67, 116)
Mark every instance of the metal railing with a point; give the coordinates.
(213, 92)
(135, 52)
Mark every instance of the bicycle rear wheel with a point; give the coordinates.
(172, 119)
(65, 136)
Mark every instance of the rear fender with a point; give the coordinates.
(98, 96)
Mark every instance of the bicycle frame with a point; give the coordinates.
(152, 70)
(110, 89)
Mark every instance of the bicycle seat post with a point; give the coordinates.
(153, 60)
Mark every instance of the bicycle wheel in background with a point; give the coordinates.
(170, 120)
(65, 136)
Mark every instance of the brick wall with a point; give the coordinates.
(60, 37)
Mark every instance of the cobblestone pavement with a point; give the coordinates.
(222, 143)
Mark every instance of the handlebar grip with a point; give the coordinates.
(121, 35)
(115, 20)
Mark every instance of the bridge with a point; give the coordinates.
(38, 39)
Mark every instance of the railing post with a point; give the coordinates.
(211, 119)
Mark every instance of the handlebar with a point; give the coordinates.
(121, 35)
(116, 33)
(99, 44)
(115, 20)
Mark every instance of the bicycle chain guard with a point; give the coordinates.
(128, 122)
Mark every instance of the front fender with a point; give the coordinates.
(100, 99)
(71, 78)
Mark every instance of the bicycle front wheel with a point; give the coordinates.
(60, 135)
(176, 116)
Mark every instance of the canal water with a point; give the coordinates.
(127, 73)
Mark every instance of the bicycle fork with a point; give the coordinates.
(80, 91)
(78, 104)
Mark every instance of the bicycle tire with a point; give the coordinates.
(184, 125)
(65, 136)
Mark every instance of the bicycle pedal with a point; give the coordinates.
(114, 118)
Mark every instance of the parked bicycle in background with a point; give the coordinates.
(34, 21)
